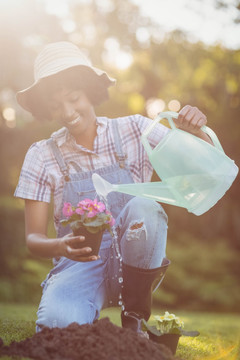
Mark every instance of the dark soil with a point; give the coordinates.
(100, 341)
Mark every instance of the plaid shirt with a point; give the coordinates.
(41, 176)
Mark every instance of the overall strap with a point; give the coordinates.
(58, 156)
(120, 156)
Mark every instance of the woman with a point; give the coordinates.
(67, 88)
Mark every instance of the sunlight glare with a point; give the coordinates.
(68, 25)
(105, 6)
(57, 7)
(123, 60)
(189, 17)
(154, 106)
(114, 56)
(9, 115)
(174, 105)
(142, 35)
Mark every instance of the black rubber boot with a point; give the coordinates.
(138, 285)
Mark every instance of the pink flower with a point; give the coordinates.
(84, 204)
(67, 210)
(87, 205)
(79, 210)
(98, 206)
(91, 211)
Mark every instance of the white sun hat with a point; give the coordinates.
(54, 58)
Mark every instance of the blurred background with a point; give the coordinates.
(164, 55)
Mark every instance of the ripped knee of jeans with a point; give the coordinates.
(136, 228)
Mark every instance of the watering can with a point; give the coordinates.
(194, 173)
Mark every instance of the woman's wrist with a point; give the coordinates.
(59, 247)
(202, 135)
(41, 245)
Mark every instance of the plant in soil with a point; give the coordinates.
(90, 219)
(168, 324)
(167, 330)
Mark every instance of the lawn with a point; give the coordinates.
(219, 333)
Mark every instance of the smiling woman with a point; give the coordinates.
(67, 87)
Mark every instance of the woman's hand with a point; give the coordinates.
(36, 223)
(191, 119)
(70, 247)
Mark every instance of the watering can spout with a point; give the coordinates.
(159, 191)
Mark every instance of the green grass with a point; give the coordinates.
(219, 333)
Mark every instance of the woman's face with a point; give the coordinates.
(73, 109)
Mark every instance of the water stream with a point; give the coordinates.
(118, 253)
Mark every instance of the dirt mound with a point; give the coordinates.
(100, 341)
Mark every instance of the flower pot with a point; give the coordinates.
(91, 240)
(169, 340)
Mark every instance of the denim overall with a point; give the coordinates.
(77, 291)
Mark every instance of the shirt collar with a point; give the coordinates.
(102, 124)
(63, 135)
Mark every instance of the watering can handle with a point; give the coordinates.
(213, 136)
(169, 115)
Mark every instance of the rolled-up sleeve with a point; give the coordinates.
(33, 181)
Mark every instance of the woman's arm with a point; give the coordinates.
(36, 221)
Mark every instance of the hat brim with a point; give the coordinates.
(24, 96)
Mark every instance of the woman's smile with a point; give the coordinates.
(74, 122)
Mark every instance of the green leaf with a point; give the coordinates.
(151, 329)
(189, 333)
(75, 225)
(176, 330)
(92, 230)
(93, 225)
(73, 218)
(96, 220)
(64, 222)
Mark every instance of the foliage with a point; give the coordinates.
(202, 275)
(24, 286)
(11, 244)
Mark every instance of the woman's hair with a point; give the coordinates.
(82, 78)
